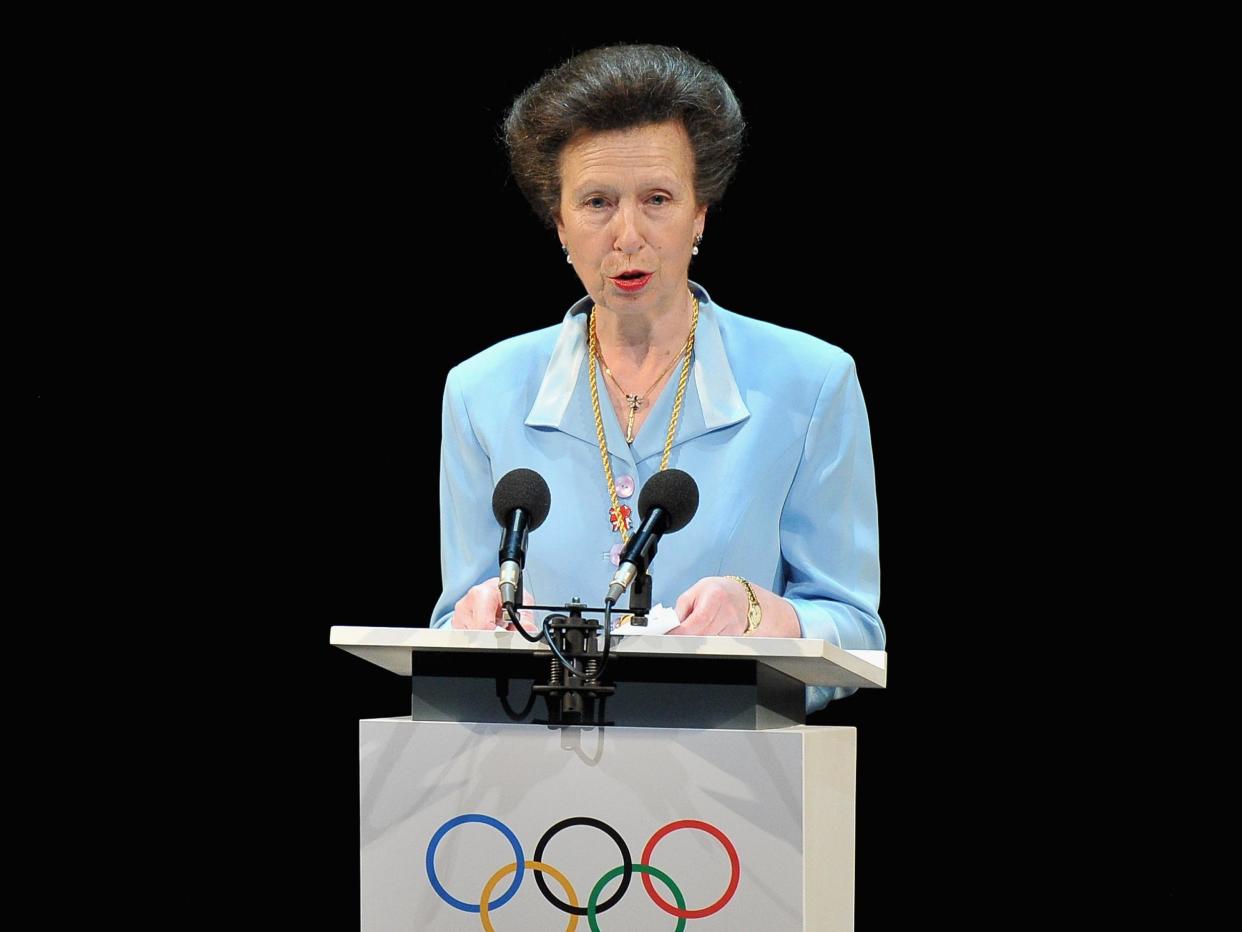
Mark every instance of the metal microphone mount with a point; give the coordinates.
(574, 693)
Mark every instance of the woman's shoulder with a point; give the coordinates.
(780, 348)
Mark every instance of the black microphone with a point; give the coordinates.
(520, 503)
(667, 503)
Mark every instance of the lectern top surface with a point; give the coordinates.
(815, 662)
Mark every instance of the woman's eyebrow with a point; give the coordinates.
(589, 186)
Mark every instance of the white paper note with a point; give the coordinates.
(660, 620)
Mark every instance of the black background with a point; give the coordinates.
(377, 242)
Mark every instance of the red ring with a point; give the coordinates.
(735, 867)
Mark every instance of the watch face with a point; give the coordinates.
(754, 611)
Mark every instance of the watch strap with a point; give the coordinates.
(754, 611)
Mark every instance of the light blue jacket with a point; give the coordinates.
(773, 429)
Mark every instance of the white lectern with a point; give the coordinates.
(704, 803)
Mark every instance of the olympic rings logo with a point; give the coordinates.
(574, 908)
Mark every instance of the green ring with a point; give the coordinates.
(642, 869)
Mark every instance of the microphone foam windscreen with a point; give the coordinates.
(675, 492)
(525, 489)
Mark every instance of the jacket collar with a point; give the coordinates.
(712, 399)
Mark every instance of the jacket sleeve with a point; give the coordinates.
(469, 534)
(830, 529)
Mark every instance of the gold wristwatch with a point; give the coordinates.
(754, 613)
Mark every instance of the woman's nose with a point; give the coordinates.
(628, 237)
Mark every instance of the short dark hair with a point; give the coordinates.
(623, 87)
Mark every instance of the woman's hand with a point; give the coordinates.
(720, 605)
(713, 605)
(480, 608)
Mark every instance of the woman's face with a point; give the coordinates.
(627, 202)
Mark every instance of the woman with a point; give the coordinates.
(622, 150)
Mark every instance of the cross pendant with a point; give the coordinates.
(633, 401)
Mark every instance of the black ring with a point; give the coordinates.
(625, 857)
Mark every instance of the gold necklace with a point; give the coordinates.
(636, 401)
(619, 515)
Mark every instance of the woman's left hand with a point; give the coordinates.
(713, 605)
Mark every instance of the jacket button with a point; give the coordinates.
(625, 486)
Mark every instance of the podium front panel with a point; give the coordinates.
(753, 829)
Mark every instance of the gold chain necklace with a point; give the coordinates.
(617, 517)
(636, 401)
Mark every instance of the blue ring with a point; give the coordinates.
(486, 820)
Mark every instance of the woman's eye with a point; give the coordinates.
(660, 200)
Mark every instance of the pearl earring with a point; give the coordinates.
(698, 239)
(566, 250)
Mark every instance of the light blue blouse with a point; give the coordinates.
(773, 429)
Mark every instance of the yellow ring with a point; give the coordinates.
(533, 866)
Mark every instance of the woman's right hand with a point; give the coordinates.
(480, 608)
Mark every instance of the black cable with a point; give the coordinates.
(547, 634)
(503, 694)
(513, 617)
